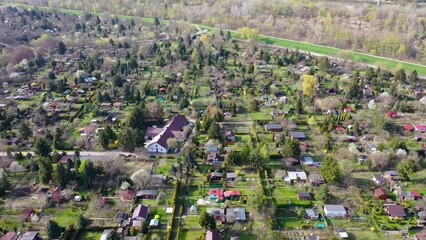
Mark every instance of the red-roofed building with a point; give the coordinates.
(27, 215)
(347, 110)
(392, 114)
(216, 194)
(56, 196)
(408, 127)
(340, 128)
(416, 195)
(9, 236)
(119, 105)
(127, 195)
(232, 195)
(420, 128)
(395, 211)
(381, 193)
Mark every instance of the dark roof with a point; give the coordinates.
(146, 193)
(8, 236)
(380, 192)
(379, 177)
(141, 211)
(213, 235)
(297, 134)
(121, 215)
(396, 210)
(273, 126)
(304, 194)
(177, 122)
(27, 212)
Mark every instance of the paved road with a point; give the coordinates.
(92, 155)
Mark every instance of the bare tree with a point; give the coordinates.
(141, 178)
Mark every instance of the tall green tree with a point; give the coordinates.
(4, 183)
(25, 130)
(331, 170)
(234, 158)
(44, 171)
(406, 168)
(42, 147)
(207, 221)
(87, 173)
(82, 222)
(103, 138)
(323, 194)
(136, 118)
(214, 132)
(61, 48)
(113, 235)
(53, 230)
(291, 148)
(61, 175)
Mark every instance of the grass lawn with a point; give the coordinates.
(89, 235)
(67, 216)
(190, 234)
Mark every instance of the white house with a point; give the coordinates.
(157, 148)
(293, 176)
(335, 211)
(172, 129)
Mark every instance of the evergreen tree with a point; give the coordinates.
(330, 169)
(234, 159)
(42, 147)
(400, 76)
(61, 175)
(82, 222)
(4, 183)
(291, 148)
(136, 118)
(323, 194)
(103, 138)
(87, 173)
(25, 130)
(156, 22)
(53, 230)
(44, 171)
(406, 168)
(61, 48)
(207, 221)
(214, 132)
(113, 235)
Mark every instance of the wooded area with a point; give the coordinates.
(396, 30)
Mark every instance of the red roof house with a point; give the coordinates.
(27, 214)
(127, 195)
(392, 114)
(216, 194)
(9, 236)
(340, 128)
(408, 127)
(347, 110)
(395, 211)
(232, 194)
(381, 193)
(416, 195)
(420, 127)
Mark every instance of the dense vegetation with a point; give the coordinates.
(349, 25)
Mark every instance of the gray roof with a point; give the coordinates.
(238, 214)
(146, 192)
(312, 213)
(231, 175)
(334, 208)
(297, 135)
(273, 126)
